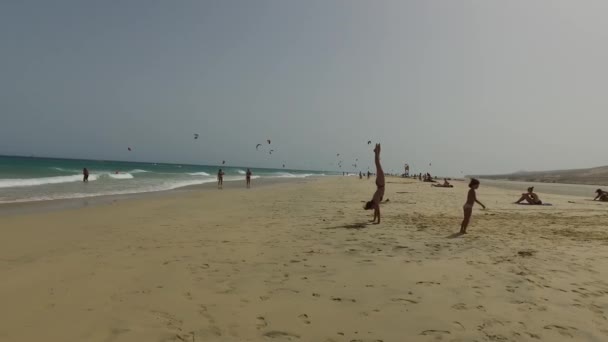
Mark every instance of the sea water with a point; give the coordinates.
(24, 179)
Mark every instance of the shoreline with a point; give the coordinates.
(27, 207)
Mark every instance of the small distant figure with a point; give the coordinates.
(468, 206)
(368, 174)
(377, 198)
(445, 184)
(601, 195)
(220, 179)
(420, 177)
(248, 178)
(530, 197)
(360, 175)
(85, 175)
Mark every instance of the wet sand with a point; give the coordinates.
(299, 262)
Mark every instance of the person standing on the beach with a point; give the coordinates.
(248, 178)
(360, 175)
(85, 175)
(368, 174)
(377, 198)
(468, 206)
(220, 179)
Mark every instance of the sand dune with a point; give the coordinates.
(299, 262)
(594, 176)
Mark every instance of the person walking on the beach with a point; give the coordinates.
(377, 198)
(248, 178)
(220, 179)
(85, 175)
(468, 206)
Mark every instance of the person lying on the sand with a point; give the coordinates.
(530, 197)
(601, 195)
(445, 184)
(377, 198)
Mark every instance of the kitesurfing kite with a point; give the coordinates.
(195, 136)
(257, 146)
(223, 162)
(128, 148)
(369, 142)
(268, 141)
(270, 152)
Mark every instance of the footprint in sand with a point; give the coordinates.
(404, 300)
(338, 299)
(458, 325)
(282, 335)
(427, 283)
(304, 318)
(435, 332)
(459, 306)
(261, 322)
(562, 330)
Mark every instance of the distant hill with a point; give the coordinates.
(596, 176)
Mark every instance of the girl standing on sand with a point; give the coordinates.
(248, 178)
(377, 198)
(220, 179)
(468, 206)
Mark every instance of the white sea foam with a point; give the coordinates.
(13, 183)
(121, 175)
(168, 185)
(138, 171)
(290, 175)
(199, 174)
(241, 172)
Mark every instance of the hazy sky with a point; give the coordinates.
(473, 86)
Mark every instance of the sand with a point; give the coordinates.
(298, 262)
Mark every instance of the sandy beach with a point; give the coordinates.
(298, 262)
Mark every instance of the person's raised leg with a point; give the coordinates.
(379, 171)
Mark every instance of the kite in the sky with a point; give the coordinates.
(195, 136)
(270, 152)
(128, 148)
(338, 154)
(257, 146)
(283, 165)
(223, 162)
(268, 141)
(369, 142)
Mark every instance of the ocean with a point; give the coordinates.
(25, 179)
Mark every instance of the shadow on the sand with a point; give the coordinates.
(359, 225)
(455, 235)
